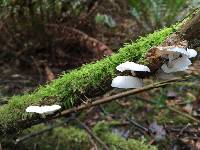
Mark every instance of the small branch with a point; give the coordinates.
(172, 109)
(188, 131)
(117, 96)
(93, 143)
(184, 128)
(34, 134)
(138, 125)
(183, 114)
(92, 135)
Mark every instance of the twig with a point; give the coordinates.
(183, 114)
(185, 131)
(57, 145)
(138, 125)
(93, 142)
(31, 135)
(173, 109)
(92, 135)
(184, 128)
(193, 138)
(102, 101)
(117, 96)
(105, 100)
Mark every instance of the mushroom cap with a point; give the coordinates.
(179, 50)
(43, 109)
(132, 67)
(127, 82)
(192, 53)
(179, 64)
(172, 50)
(33, 109)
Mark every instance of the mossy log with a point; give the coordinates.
(92, 79)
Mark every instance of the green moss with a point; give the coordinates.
(62, 137)
(166, 117)
(68, 87)
(112, 107)
(116, 142)
(73, 138)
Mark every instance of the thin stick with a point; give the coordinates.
(188, 131)
(117, 96)
(92, 135)
(138, 125)
(31, 135)
(173, 109)
(183, 114)
(93, 143)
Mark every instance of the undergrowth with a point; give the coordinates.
(71, 137)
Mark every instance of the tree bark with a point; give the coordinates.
(92, 79)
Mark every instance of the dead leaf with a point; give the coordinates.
(158, 130)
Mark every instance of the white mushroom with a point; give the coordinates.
(127, 82)
(178, 50)
(175, 52)
(179, 64)
(192, 53)
(132, 67)
(43, 109)
(34, 109)
(172, 50)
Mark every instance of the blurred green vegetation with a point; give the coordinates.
(43, 10)
(75, 138)
(105, 19)
(154, 14)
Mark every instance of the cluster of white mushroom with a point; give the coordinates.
(177, 59)
(129, 81)
(43, 109)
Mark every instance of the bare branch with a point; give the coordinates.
(92, 135)
(120, 95)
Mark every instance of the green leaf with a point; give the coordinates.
(106, 20)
